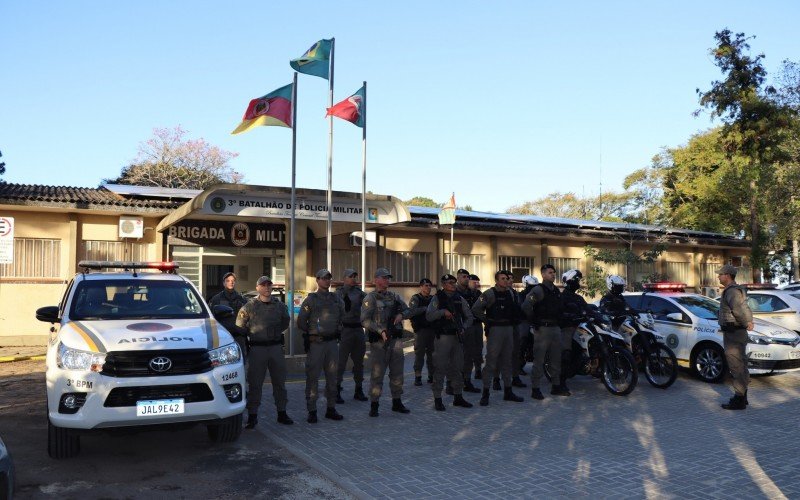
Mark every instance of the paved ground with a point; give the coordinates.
(674, 443)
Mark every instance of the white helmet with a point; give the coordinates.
(615, 283)
(572, 274)
(529, 280)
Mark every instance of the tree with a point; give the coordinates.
(169, 160)
(646, 190)
(422, 201)
(625, 256)
(610, 206)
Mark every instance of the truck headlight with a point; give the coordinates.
(757, 338)
(75, 359)
(225, 355)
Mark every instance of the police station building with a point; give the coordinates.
(47, 230)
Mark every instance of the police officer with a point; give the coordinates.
(525, 334)
(449, 312)
(235, 300)
(382, 317)
(353, 344)
(473, 335)
(544, 310)
(320, 320)
(501, 314)
(475, 284)
(265, 318)
(423, 331)
(735, 319)
(575, 307)
(517, 366)
(613, 303)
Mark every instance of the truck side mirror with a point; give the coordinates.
(48, 314)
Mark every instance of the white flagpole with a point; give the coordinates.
(290, 288)
(364, 191)
(329, 240)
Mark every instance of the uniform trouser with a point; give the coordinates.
(499, 343)
(382, 357)
(546, 341)
(352, 344)
(423, 348)
(321, 356)
(260, 359)
(737, 359)
(448, 354)
(473, 349)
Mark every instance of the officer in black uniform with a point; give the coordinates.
(423, 331)
(575, 307)
(613, 303)
(475, 284)
(473, 335)
(235, 300)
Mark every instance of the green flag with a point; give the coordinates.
(315, 61)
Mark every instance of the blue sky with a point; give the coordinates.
(501, 102)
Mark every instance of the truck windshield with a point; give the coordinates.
(700, 306)
(135, 299)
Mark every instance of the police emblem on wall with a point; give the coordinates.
(218, 204)
(240, 234)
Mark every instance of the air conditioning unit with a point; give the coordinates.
(355, 238)
(710, 291)
(130, 226)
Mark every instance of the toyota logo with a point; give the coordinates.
(160, 364)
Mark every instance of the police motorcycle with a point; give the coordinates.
(599, 351)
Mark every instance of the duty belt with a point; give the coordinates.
(266, 343)
(322, 338)
(352, 325)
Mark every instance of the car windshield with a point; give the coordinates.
(702, 307)
(135, 299)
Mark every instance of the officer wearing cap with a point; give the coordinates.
(473, 335)
(235, 300)
(449, 313)
(475, 284)
(353, 344)
(735, 319)
(265, 318)
(320, 319)
(423, 330)
(382, 317)
(500, 312)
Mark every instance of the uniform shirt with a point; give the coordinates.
(352, 297)
(733, 306)
(264, 321)
(534, 296)
(377, 309)
(487, 300)
(417, 308)
(321, 313)
(235, 301)
(613, 303)
(434, 313)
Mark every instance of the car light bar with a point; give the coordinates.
(665, 286)
(117, 264)
(759, 286)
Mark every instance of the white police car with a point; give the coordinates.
(689, 324)
(133, 347)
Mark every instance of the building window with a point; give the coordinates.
(519, 266)
(34, 258)
(115, 250)
(563, 264)
(470, 262)
(678, 271)
(708, 274)
(409, 267)
(351, 259)
(642, 272)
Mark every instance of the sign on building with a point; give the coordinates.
(6, 240)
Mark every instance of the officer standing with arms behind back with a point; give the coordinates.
(382, 317)
(320, 320)
(735, 319)
(423, 330)
(235, 300)
(353, 344)
(265, 318)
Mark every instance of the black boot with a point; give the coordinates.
(516, 382)
(746, 402)
(560, 390)
(418, 380)
(252, 420)
(332, 414)
(510, 396)
(339, 400)
(312, 417)
(430, 378)
(484, 398)
(449, 389)
(460, 401)
(397, 405)
(496, 384)
(284, 419)
(373, 409)
(468, 387)
(359, 394)
(737, 402)
(537, 394)
(438, 405)
(478, 373)
(563, 380)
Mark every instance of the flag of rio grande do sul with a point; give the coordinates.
(273, 109)
(352, 109)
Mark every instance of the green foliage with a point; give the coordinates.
(623, 256)
(422, 201)
(594, 283)
(610, 206)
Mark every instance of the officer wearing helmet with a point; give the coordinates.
(574, 308)
(613, 302)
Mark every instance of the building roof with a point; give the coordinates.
(84, 198)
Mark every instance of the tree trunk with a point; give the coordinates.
(755, 234)
(795, 260)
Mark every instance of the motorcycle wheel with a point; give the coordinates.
(660, 366)
(620, 375)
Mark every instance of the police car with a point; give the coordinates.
(689, 324)
(134, 344)
(776, 306)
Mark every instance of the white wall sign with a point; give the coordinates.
(6, 240)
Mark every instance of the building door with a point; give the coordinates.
(212, 278)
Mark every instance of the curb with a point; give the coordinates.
(11, 359)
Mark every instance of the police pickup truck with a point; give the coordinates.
(689, 325)
(134, 344)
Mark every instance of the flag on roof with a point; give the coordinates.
(448, 213)
(273, 109)
(315, 61)
(352, 109)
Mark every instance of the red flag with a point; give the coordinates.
(352, 109)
